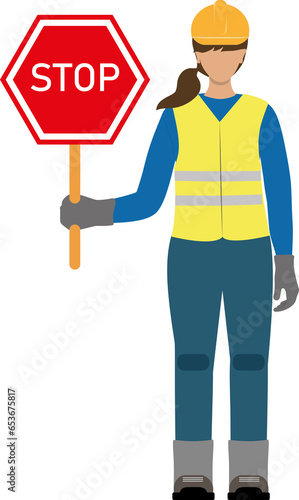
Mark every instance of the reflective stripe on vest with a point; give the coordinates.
(246, 199)
(215, 176)
(218, 172)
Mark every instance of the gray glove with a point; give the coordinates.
(87, 213)
(285, 278)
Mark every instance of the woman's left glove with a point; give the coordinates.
(87, 212)
(285, 278)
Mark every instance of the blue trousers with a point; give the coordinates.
(199, 273)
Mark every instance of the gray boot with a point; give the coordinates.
(193, 464)
(248, 470)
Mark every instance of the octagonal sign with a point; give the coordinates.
(75, 79)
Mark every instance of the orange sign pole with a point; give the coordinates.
(75, 198)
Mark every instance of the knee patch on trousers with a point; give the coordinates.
(248, 362)
(193, 362)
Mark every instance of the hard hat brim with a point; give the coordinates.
(220, 41)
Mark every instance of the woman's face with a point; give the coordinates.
(220, 65)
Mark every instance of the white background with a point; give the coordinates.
(79, 407)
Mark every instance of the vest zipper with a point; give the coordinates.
(220, 179)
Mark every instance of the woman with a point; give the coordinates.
(220, 142)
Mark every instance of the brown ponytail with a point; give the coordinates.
(188, 85)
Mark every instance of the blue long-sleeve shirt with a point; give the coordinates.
(162, 156)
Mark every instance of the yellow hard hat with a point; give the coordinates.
(220, 24)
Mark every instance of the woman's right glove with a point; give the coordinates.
(87, 212)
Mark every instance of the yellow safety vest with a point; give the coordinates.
(218, 172)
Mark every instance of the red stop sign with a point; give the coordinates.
(75, 79)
